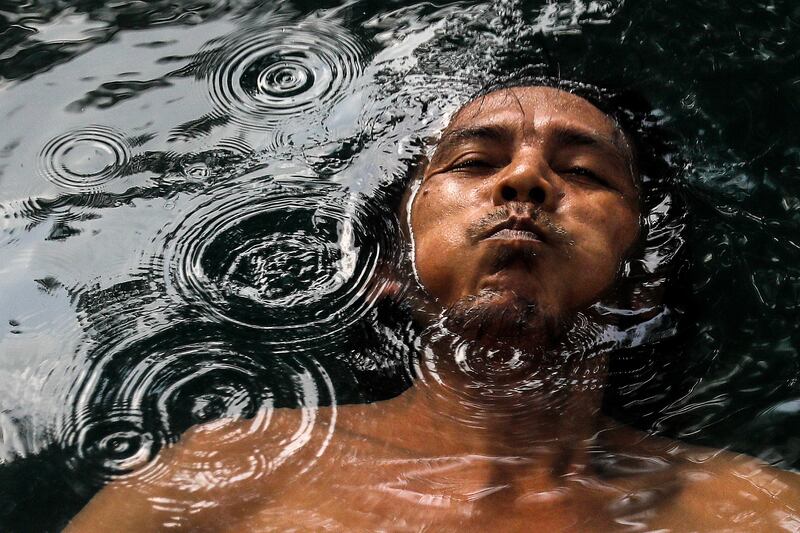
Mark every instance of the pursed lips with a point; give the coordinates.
(516, 229)
(514, 235)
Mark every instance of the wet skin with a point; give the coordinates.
(554, 165)
(528, 204)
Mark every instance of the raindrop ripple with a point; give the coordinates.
(265, 76)
(85, 159)
(140, 396)
(288, 258)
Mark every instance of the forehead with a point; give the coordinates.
(537, 107)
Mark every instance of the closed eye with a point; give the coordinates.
(472, 164)
(585, 173)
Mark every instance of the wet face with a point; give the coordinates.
(525, 211)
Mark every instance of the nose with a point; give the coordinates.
(526, 179)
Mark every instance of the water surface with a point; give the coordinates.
(192, 214)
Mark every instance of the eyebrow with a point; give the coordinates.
(573, 137)
(563, 135)
(474, 133)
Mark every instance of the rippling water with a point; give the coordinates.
(196, 220)
(84, 159)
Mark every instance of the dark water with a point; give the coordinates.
(192, 214)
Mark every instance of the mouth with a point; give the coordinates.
(508, 234)
(515, 229)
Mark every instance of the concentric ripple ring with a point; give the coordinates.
(263, 76)
(290, 259)
(117, 427)
(85, 159)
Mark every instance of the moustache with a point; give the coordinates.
(546, 229)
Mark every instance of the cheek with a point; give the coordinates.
(603, 234)
(433, 216)
(606, 225)
(439, 217)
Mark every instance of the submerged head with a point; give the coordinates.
(524, 212)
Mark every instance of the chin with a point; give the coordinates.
(503, 316)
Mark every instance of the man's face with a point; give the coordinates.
(526, 209)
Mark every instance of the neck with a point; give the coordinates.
(500, 400)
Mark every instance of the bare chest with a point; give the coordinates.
(468, 493)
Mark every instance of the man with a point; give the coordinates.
(518, 223)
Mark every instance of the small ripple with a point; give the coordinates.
(17, 217)
(235, 145)
(148, 14)
(266, 75)
(85, 159)
(520, 378)
(269, 440)
(111, 444)
(292, 259)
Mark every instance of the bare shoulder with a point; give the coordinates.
(725, 472)
(717, 490)
(220, 466)
(723, 490)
